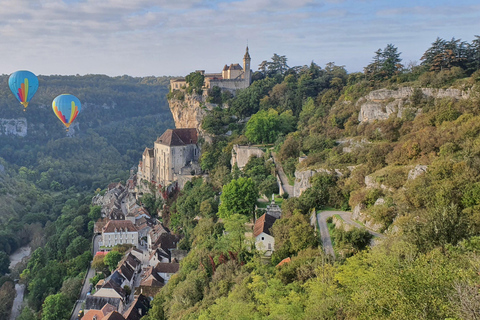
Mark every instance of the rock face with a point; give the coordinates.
(380, 104)
(302, 179)
(15, 127)
(189, 113)
(357, 214)
(415, 172)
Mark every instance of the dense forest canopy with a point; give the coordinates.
(48, 177)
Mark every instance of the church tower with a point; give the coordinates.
(246, 68)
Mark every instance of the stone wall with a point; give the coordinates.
(229, 84)
(241, 155)
(380, 104)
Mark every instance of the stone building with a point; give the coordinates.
(175, 156)
(119, 232)
(174, 150)
(232, 77)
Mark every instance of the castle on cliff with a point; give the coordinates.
(231, 78)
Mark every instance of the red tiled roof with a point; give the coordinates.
(91, 313)
(263, 224)
(108, 308)
(114, 315)
(286, 260)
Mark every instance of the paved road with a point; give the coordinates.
(325, 235)
(283, 177)
(86, 285)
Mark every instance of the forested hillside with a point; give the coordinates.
(48, 177)
(425, 266)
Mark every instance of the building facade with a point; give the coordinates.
(232, 77)
(119, 232)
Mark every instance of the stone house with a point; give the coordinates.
(175, 155)
(175, 149)
(264, 240)
(119, 232)
(166, 270)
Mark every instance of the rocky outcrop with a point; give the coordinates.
(302, 179)
(14, 127)
(415, 172)
(351, 144)
(358, 214)
(380, 104)
(189, 112)
(370, 183)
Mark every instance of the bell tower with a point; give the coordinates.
(246, 68)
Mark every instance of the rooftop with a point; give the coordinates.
(178, 137)
(117, 225)
(263, 224)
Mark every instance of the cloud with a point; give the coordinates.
(144, 37)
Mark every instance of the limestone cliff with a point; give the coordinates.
(189, 112)
(15, 127)
(380, 104)
(303, 177)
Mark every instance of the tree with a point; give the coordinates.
(78, 246)
(112, 259)
(239, 196)
(278, 65)
(265, 126)
(234, 238)
(56, 307)
(27, 314)
(4, 262)
(385, 64)
(6, 299)
(99, 265)
(71, 288)
(95, 213)
(195, 81)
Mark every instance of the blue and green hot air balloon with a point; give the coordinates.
(66, 107)
(23, 84)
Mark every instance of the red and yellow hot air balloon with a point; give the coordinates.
(23, 84)
(66, 108)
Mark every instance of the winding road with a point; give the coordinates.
(325, 235)
(86, 284)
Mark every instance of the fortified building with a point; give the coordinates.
(174, 157)
(232, 77)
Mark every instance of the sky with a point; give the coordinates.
(176, 37)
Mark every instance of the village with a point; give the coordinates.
(152, 255)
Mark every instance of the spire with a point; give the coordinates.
(247, 55)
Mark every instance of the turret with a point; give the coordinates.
(246, 68)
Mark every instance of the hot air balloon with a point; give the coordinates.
(66, 107)
(23, 84)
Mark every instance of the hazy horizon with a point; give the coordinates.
(162, 38)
